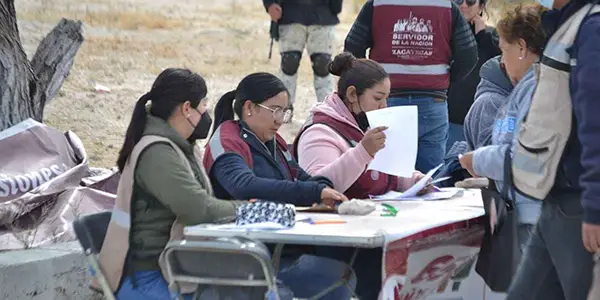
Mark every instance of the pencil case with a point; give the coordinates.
(266, 211)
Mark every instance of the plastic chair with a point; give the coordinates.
(221, 262)
(90, 231)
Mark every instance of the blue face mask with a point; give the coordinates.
(546, 3)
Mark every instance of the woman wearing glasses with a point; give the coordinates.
(461, 94)
(247, 157)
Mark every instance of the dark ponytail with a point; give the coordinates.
(256, 87)
(171, 88)
(360, 73)
(224, 109)
(134, 131)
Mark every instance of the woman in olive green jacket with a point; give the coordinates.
(168, 183)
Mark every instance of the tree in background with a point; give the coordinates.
(27, 86)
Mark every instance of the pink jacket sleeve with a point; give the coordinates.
(321, 151)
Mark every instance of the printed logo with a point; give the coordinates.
(506, 125)
(374, 175)
(413, 38)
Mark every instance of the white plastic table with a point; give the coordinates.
(369, 231)
(357, 232)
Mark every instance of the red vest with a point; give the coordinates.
(371, 182)
(227, 139)
(411, 40)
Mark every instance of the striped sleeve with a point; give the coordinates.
(464, 47)
(360, 36)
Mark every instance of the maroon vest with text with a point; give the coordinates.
(227, 139)
(411, 40)
(371, 182)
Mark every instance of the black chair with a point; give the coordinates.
(90, 231)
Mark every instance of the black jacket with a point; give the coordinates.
(308, 12)
(461, 94)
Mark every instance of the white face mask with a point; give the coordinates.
(546, 3)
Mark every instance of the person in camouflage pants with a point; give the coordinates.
(306, 24)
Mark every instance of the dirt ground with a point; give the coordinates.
(128, 42)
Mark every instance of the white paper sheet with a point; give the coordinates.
(397, 196)
(417, 187)
(411, 193)
(399, 155)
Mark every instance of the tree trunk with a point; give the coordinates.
(26, 87)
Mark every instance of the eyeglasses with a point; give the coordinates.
(279, 114)
(469, 2)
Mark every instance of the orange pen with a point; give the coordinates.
(319, 222)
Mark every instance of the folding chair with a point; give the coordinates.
(90, 231)
(223, 262)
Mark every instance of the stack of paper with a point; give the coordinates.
(411, 193)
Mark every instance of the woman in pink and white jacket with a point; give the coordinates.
(337, 142)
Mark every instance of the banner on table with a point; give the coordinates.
(423, 264)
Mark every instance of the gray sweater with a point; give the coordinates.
(491, 96)
(488, 161)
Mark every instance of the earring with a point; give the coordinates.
(520, 57)
(189, 115)
(249, 114)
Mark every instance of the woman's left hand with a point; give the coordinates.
(478, 23)
(428, 188)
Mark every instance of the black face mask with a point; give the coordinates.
(202, 128)
(362, 120)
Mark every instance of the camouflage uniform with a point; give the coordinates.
(317, 39)
(307, 24)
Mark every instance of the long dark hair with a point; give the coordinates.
(360, 73)
(171, 88)
(256, 87)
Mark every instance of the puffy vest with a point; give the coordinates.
(411, 40)
(371, 182)
(228, 139)
(546, 129)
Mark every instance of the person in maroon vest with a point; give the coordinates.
(421, 60)
(247, 158)
(336, 142)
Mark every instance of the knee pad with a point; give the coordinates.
(320, 63)
(290, 61)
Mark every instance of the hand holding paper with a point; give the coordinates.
(399, 155)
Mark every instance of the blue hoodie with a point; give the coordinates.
(491, 95)
(488, 161)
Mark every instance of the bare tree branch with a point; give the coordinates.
(25, 88)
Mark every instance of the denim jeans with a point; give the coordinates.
(309, 275)
(433, 129)
(524, 232)
(555, 265)
(367, 267)
(150, 285)
(456, 133)
(305, 277)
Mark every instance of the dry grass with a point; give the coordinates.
(128, 42)
(116, 19)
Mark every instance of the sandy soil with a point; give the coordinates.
(128, 42)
